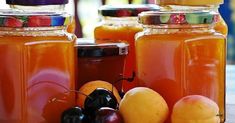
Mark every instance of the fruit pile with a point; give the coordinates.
(99, 102)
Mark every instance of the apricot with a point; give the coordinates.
(143, 105)
(195, 109)
(89, 87)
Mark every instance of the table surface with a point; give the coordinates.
(230, 98)
(230, 113)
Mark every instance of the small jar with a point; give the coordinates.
(37, 67)
(101, 62)
(120, 23)
(180, 54)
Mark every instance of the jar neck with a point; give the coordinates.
(172, 29)
(181, 8)
(120, 21)
(40, 8)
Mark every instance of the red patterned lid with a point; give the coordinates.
(16, 19)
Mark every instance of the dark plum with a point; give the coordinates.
(74, 115)
(100, 98)
(108, 115)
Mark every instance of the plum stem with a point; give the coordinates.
(129, 79)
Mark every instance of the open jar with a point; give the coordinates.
(180, 54)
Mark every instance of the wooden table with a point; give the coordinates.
(230, 99)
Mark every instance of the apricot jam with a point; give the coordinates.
(120, 23)
(37, 67)
(180, 54)
(103, 61)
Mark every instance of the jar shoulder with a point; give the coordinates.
(176, 34)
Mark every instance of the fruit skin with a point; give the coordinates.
(195, 109)
(143, 105)
(74, 115)
(108, 115)
(99, 98)
(89, 87)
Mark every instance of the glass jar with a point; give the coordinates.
(101, 62)
(180, 54)
(37, 67)
(120, 23)
(196, 5)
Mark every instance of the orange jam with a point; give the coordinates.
(120, 23)
(101, 62)
(177, 56)
(37, 68)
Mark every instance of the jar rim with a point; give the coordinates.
(20, 19)
(178, 17)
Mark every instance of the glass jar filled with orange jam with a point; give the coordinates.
(180, 54)
(196, 5)
(120, 23)
(37, 67)
(103, 61)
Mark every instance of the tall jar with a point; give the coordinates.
(57, 6)
(180, 54)
(121, 23)
(196, 5)
(37, 67)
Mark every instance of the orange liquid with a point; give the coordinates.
(180, 64)
(35, 74)
(127, 34)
